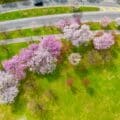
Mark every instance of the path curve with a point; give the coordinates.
(52, 19)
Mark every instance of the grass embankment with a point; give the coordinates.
(49, 30)
(97, 26)
(43, 11)
(29, 32)
(8, 1)
(95, 80)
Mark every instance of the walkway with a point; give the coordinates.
(52, 19)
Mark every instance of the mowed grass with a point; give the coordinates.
(45, 30)
(94, 94)
(8, 1)
(43, 11)
(48, 30)
(97, 26)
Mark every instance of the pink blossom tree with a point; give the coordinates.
(67, 22)
(104, 42)
(8, 87)
(52, 44)
(44, 59)
(42, 62)
(15, 67)
(18, 64)
(78, 35)
(105, 21)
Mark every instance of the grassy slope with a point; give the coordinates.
(29, 32)
(8, 1)
(49, 30)
(42, 11)
(49, 97)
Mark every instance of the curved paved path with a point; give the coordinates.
(52, 19)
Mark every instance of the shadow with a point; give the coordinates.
(86, 83)
(90, 91)
(18, 107)
(74, 90)
(81, 71)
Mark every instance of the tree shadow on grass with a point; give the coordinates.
(18, 107)
(81, 71)
(90, 91)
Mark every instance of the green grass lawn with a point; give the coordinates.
(94, 95)
(29, 32)
(8, 1)
(97, 26)
(43, 11)
(47, 30)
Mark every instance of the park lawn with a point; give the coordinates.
(43, 11)
(7, 51)
(29, 32)
(48, 30)
(93, 96)
(97, 26)
(8, 1)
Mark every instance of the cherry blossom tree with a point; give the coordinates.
(8, 87)
(104, 42)
(67, 22)
(15, 67)
(105, 21)
(42, 62)
(78, 35)
(52, 44)
(44, 59)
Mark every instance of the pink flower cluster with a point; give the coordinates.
(19, 63)
(104, 42)
(51, 44)
(66, 22)
(42, 62)
(45, 58)
(15, 67)
(105, 21)
(26, 54)
(8, 87)
(78, 35)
